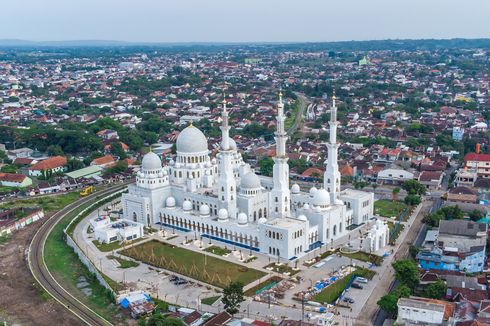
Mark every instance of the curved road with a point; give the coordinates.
(41, 273)
(303, 104)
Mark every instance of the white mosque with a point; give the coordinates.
(223, 199)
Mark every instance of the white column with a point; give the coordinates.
(331, 178)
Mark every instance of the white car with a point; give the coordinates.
(361, 280)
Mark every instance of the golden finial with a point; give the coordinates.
(333, 96)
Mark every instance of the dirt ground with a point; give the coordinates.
(22, 301)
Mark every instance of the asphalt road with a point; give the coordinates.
(43, 276)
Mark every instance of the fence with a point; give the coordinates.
(72, 243)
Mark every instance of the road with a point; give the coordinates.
(303, 104)
(371, 314)
(43, 276)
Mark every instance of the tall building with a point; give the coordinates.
(223, 199)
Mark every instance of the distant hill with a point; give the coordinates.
(406, 44)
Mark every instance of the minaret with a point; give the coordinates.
(226, 180)
(280, 195)
(331, 178)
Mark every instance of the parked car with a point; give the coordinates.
(180, 281)
(347, 299)
(173, 278)
(361, 280)
(357, 286)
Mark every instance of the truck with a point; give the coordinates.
(87, 191)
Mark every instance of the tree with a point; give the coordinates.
(394, 193)
(74, 164)
(388, 303)
(8, 169)
(232, 297)
(55, 150)
(116, 149)
(160, 320)
(407, 272)
(436, 290)
(475, 215)
(413, 187)
(266, 166)
(412, 200)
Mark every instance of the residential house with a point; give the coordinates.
(462, 194)
(460, 247)
(108, 134)
(432, 180)
(423, 311)
(15, 180)
(394, 176)
(480, 162)
(48, 166)
(104, 162)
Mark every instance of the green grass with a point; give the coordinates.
(364, 256)
(49, 204)
(205, 268)
(65, 266)
(283, 268)
(217, 250)
(394, 236)
(389, 208)
(107, 247)
(253, 290)
(124, 263)
(333, 291)
(209, 301)
(290, 119)
(160, 304)
(4, 238)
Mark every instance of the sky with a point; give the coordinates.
(243, 20)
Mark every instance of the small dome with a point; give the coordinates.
(187, 205)
(306, 206)
(213, 161)
(302, 218)
(321, 198)
(151, 161)
(172, 162)
(191, 140)
(139, 174)
(317, 209)
(170, 202)
(295, 189)
(250, 181)
(160, 174)
(204, 210)
(165, 172)
(177, 165)
(242, 218)
(312, 191)
(262, 220)
(223, 214)
(231, 142)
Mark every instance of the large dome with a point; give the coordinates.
(321, 197)
(151, 161)
(191, 140)
(250, 181)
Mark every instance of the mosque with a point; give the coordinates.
(223, 199)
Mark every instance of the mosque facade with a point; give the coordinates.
(223, 199)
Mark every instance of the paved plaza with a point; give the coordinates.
(157, 281)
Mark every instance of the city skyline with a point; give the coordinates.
(243, 21)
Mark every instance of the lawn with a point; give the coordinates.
(253, 290)
(48, 203)
(364, 256)
(389, 208)
(282, 268)
(394, 236)
(196, 265)
(107, 247)
(124, 263)
(217, 250)
(65, 266)
(333, 291)
(209, 301)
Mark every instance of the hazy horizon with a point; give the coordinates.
(243, 21)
